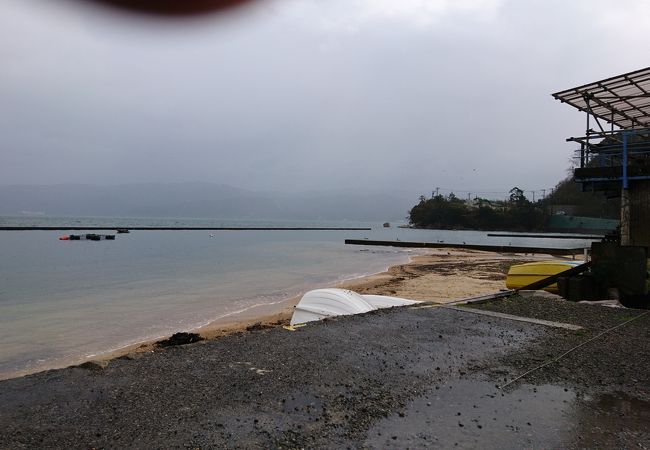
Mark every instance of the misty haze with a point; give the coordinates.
(200, 200)
(302, 96)
(324, 224)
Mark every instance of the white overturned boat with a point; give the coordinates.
(321, 303)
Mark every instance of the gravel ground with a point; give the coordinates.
(401, 378)
(610, 375)
(617, 360)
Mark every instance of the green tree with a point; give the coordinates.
(517, 196)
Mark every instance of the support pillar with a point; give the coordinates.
(626, 237)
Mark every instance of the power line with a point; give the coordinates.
(475, 191)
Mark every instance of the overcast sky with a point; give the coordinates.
(307, 94)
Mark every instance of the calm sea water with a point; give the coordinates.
(65, 300)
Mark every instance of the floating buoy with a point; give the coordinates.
(88, 237)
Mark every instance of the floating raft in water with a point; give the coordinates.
(88, 237)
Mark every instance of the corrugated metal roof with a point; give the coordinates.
(623, 100)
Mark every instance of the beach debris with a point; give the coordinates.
(294, 327)
(249, 365)
(180, 339)
(258, 326)
(94, 365)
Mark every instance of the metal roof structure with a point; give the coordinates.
(623, 100)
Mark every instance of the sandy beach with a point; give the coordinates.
(440, 276)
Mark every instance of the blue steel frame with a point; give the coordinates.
(608, 154)
(626, 181)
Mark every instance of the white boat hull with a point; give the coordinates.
(385, 301)
(321, 303)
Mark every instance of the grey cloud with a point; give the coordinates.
(277, 99)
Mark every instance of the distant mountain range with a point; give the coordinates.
(200, 200)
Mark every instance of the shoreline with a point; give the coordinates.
(434, 275)
(265, 315)
(417, 279)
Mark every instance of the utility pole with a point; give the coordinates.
(533, 196)
(437, 189)
(543, 194)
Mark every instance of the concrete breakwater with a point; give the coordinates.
(78, 228)
(484, 247)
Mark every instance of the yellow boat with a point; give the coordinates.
(521, 275)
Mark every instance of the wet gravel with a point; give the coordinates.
(618, 360)
(409, 377)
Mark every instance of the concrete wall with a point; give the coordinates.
(578, 224)
(639, 194)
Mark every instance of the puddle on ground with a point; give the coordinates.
(302, 404)
(612, 421)
(475, 414)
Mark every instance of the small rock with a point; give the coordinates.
(94, 365)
